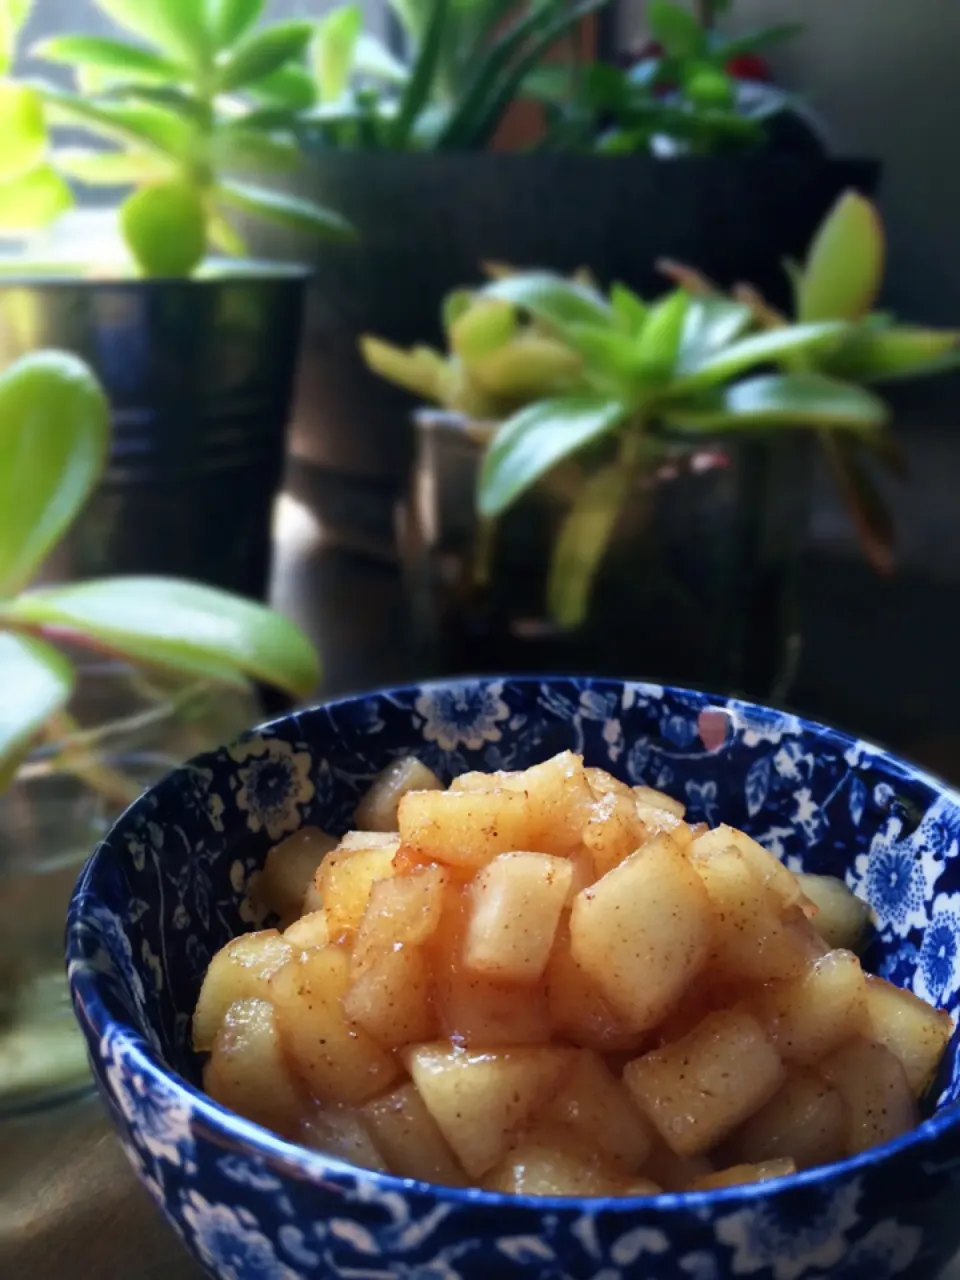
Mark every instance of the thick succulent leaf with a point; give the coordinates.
(783, 400)
(291, 87)
(13, 15)
(868, 509)
(291, 211)
(334, 49)
(899, 352)
(481, 327)
(54, 430)
(421, 370)
(22, 128)
(228, 20)
(676, 29)
(629, 311)
(262, 53)
(552, 299)
(140, 123)
(177, 27)
(844, 269)
(533, 441)
(710, 325)
(373, 58)
(111, 168)
(582, 541)
(528, 368)
(127, 61)
(659, 346)
(181, 626)
(33, 201)
(37, 682)
(238, 149)
(610, 358)
(770, 347)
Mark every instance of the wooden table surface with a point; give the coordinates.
(70, 1208)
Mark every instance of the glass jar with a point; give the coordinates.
(697, 587)
(122, 731)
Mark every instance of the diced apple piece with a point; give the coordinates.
(602, 783)
(312, 901)
(289, 870)
(702, 1087)
(613, 830)
(653, 799)
(392, 999)
(643, 931)
(673, 1172)
(312, 930)
(242, 970)
(773, 873)
(515, 906)
(579, 1011)
(810, 1016)
(841, 918)
(741, 1174)
(404, 910)
(477, 781)
(340, 1131)
(913, 1030)
(750, 942)
(596, 1105)
(805, 1121)
(559, 799)
(656, 822)
(583, 872)
(339, 1061)
(480, 1101)
(248, 1073)
(407, 1136)
(377, 811)
(352, 841)
(874, 1088)
(551, 1161)
(345, 879)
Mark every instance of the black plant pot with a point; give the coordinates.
(698, 586)
(427, 222)
(200, 375)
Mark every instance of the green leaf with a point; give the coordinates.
(551, 298)
(13, 17)
(291, 211)
(291, 86)
(659, 344)
(127, 61)
(22, 128)
(754, 41)
(334, 49)
(228, 20)
(711, 324)
(175, 26)
(54, 427)
(165, 227)
(533, 441)
(111, 168)
(373, 58)
(676, 29)
(630, 311)
(899, 352)
(238, 148)
(783, 400)
(485, 325)
(37, 682)
(419, 87)
(868, 510)
(262, 53)
(224, 236)
(844, 269)
(419, 370)
(33, 201)
(581, 544)
(182, 626)
(143, 123)
(769, 347)
(611, 360)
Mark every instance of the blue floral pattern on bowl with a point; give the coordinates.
(169, 887)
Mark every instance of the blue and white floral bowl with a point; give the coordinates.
(168, 888)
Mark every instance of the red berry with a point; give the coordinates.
(750, 66)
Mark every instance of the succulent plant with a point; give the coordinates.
(175, 104)
(54, 428)
(612, 381)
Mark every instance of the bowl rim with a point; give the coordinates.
(95, 1019)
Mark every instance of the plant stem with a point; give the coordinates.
(703, 10)
(114, 786)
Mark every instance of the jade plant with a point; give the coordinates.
(175, 107)
(558, 371)
(54, 429)
(465, 64)
(682, 94)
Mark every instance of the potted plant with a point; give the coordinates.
(434, 200)
(198, 355)
(639, 469)
(108, 683)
